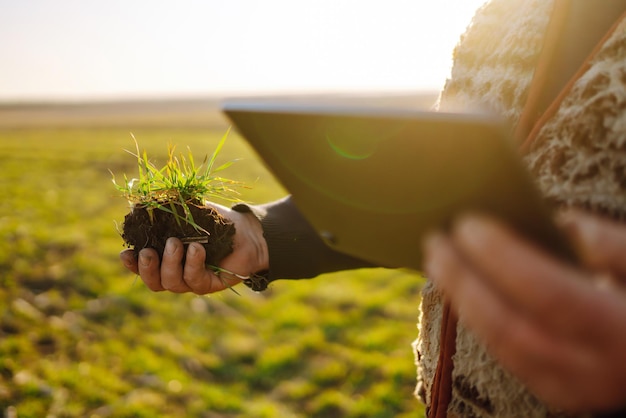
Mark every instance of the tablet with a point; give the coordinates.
(373, 182)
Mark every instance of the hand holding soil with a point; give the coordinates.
(170, 220)
(249, 255)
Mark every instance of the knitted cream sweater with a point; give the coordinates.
(578, 159)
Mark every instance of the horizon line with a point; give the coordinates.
(182, 97)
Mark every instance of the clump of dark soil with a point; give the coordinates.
(139, 231)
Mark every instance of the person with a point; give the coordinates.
(535, 337)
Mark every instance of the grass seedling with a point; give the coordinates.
(178, 182)
(169, 201)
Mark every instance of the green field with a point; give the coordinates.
(82, 337)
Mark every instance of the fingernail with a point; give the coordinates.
(471, 227)
(127, 261)
(575, 224)
(170, 246)
(432, 242)
(144, 259)
(192, 250)
(127, 258)
(584, 232)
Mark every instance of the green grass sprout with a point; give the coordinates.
(179, 182)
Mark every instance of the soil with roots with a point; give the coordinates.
(140, 231)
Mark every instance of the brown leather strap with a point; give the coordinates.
(535, 102)
(538, 122)
(547, 91)
(441, 393)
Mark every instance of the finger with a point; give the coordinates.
(601, 243)
(542, 287)
(128, 258)
(148, 269)
(478, 305)
(172, 268)
(195, 273)
(200, 279)
(544, 363)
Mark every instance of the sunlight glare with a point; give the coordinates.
(74, 49)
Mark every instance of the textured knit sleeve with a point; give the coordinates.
(295, 249)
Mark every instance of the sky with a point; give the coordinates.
(96, 49)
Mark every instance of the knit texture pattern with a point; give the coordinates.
(578, 159)
(579, 156)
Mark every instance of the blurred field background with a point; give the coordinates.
(82, 337)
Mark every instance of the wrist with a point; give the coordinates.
(249, 242)
(257, 245)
